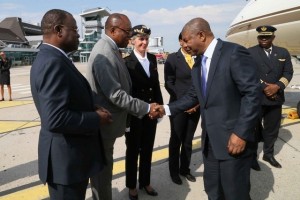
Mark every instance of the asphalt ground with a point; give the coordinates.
(19, 130)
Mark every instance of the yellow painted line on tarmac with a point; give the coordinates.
(7, 104)
(7, 126)
(41, 192)
(34, 193)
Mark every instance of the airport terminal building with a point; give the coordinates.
(14, 40)
(20, 40)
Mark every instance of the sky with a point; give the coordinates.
(165, 17)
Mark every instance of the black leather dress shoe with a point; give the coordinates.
(177, 180)
(255, 165)
(133, 197)
(189, 177)
(272, 161)
(149, 192)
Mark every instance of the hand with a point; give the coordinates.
(160, 110)
(236, 145)
(192, 110)
(271, 89)
(156, 111)
(105, 115)
(153, 114)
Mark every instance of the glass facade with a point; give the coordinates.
(21, 57)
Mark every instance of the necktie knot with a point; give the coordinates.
(268, 52)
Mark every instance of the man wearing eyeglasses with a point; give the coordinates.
(111, 85)
(70, 145)
(275, 71)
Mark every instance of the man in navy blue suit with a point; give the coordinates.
(226, 85)
(70, 145)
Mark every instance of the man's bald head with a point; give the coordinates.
(115, 19)
(118, 28)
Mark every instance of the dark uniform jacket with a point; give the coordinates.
(278, 69)
(144, 87)
(178, 77)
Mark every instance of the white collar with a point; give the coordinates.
(57, 49)
(210, 49)
(139, 57)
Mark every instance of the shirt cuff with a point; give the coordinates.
(167, 110)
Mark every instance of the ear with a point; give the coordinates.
(132, 41)
(202, 35)
(58, 30)
(112, 30)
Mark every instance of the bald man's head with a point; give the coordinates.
(118, 28)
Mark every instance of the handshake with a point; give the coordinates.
(156, 111)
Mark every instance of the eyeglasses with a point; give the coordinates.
(128, 32)
(72, 28)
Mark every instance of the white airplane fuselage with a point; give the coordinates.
(282, 14)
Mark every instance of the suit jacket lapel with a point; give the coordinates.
(138, 66)
(182, 62)
(262, 54)
(118, 55)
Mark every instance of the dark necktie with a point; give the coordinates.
(203, 74)
(268, 52)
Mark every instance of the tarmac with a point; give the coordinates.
(19, 130)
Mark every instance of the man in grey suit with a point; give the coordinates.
(111, 85)
(226, 85)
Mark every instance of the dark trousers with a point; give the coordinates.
(183, 127)
(270, 118)
(226, 179)
(67, 192)
(139, 142)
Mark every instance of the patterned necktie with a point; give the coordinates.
(268, 52)
(203, 74)
(189, 60)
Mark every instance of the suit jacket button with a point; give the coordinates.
(150, 89)
(150, 99)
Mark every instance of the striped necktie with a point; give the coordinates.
(268, 52)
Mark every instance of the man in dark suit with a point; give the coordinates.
(275, 72)
(178, 80)
(70, 145)
(227, 87)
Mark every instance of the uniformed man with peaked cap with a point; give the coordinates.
(275, 71)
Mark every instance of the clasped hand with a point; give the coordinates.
(105, 115)
(271, 90)
(156, 111)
